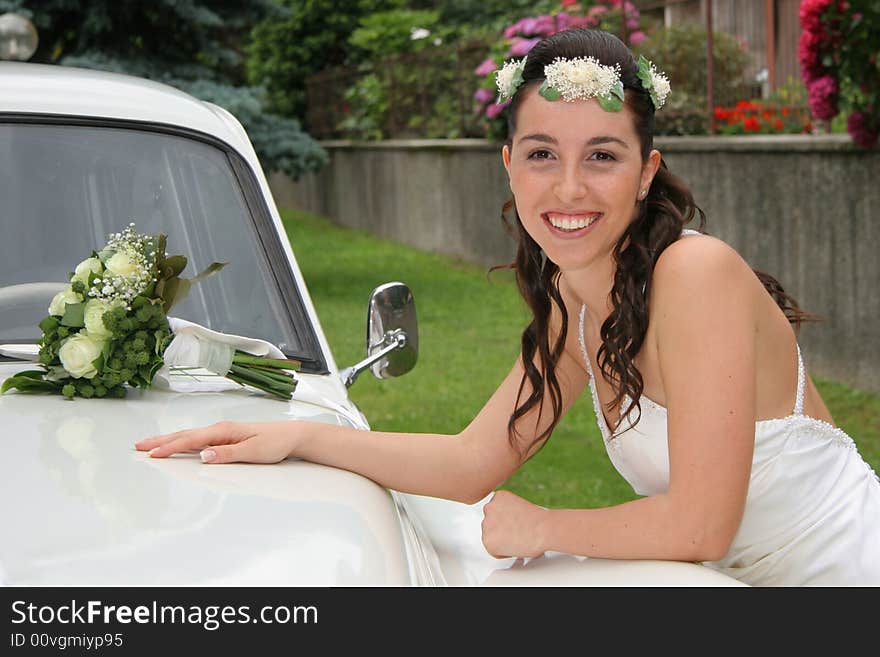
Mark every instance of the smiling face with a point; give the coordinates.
(577, 175)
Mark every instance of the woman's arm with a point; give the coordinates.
(704, 305)
(463, 467)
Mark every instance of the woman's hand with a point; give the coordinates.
(227, 442)
(513, 527)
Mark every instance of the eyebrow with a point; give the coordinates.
(595, 141)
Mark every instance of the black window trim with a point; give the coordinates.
(258, 210)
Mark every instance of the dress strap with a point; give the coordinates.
(801, 385)
(581, 339)
(594, 393)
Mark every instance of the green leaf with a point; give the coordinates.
(173, 288)
(517, 79)
(177, 264)
(645, 72)
(32, 374)
(610, 103)
(48, 324)
(29, 384)
(208, 271)
(73, 315)
(548, 92)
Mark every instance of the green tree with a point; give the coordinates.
(680, 52)
(493, 15)
(307, 37)
(194, 45)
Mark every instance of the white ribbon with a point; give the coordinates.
(195, 346)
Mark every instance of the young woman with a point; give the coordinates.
(699, 387)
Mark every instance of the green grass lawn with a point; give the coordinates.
(469, 331)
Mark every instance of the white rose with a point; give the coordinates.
(78, 353)
(60, 300)
(121, 264)
(94, 318)
(83, 269)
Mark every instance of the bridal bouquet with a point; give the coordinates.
(109, 329)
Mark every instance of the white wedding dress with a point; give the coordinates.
(812, 514)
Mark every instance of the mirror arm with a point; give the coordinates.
(393, 340)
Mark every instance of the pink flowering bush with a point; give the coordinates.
(516, 40)
(838, 54)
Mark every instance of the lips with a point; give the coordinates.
(571, 225)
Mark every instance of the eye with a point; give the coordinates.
(540, 154)
(602, 156)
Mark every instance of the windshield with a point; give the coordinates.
(63, 188)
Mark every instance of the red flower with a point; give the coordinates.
(823, 98)
(811, 14)
(858, 125)
(751, 124)
(809, 44)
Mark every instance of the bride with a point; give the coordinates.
(690, 358)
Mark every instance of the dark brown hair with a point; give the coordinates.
(669, 205)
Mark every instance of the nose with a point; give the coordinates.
(571, 185)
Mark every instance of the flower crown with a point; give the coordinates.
(584, 77)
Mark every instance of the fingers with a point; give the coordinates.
(224, 454)
(222, 433)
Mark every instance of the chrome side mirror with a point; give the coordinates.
(392, 334)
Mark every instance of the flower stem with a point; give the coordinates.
(280, 394)
(242, 358)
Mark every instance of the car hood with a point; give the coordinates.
(83, 507)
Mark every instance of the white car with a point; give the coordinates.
(82, 154)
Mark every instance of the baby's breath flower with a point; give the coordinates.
(661, 85)
(581, 77)
(509, 77)
(654, 82)
(130, 262)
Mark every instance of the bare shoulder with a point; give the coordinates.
(700, 262)
(702, 281)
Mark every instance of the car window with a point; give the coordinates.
(63, 188)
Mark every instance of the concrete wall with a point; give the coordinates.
(802, 208)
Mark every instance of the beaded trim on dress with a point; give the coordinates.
(837, 434)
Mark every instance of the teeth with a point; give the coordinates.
(569, 224)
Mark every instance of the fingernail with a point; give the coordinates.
(208, 455)
(152, 450)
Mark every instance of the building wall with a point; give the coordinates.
(803, 208)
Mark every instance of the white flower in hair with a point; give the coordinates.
(509, 78)
(661, 85)
(582, 77)
(654, 82)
